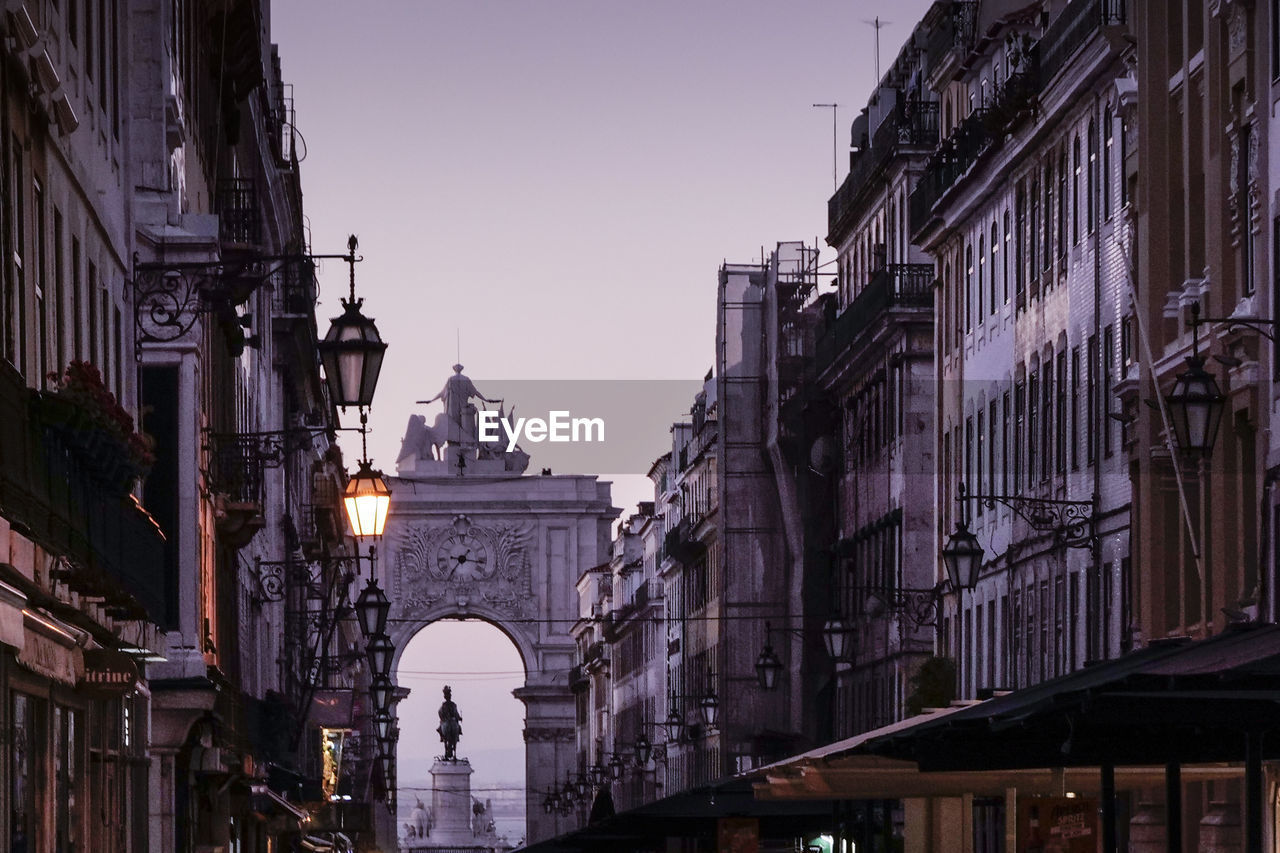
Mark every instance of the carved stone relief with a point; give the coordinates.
(461, 564)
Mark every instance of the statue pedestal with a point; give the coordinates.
(451, 803)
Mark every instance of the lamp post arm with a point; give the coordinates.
(1072, 521)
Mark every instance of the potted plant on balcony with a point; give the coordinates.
(99, 431)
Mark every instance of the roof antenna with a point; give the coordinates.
(832, 107)
(877, 25)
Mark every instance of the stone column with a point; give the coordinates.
(1220, 830)
(550, 754)
(451, 803)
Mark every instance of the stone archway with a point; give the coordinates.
(509, 550)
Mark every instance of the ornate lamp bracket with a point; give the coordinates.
(1072, 522)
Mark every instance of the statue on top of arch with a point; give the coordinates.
(451, 445)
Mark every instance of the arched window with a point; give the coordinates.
(1108, 133)
(968, 288)
(1093, 176)
(982, 265)
(995, 266)
(1075, 190)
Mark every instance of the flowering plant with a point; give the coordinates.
(81, 385)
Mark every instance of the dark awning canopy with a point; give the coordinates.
(1175, 701)
(691, 814)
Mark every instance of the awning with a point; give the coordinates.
(1173, 701)
(694, 813)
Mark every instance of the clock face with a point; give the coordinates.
(462, 558)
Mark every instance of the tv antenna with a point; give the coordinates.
(833, 108)
(877, 25)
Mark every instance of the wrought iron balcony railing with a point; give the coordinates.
(956, 30)
(114, 547)
(236, 203)
(897, 285)
(913, 125)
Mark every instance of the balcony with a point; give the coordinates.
(236, 473)
(1068, 32)
(681, 544)
(115, 547)
(578, 679)
(913, 126)
(955, 30)
(952, 159)
(236, 203)
(895, 286)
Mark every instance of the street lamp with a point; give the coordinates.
(371, 609)
(367, 498)
(1196, 402)
(616, 766)
(643, 749)
(709, 705)
(673, 724)
(383, 722)
(380, 651)
(381, 691)
(352, 350)
(768, 666)
(836, 634)
(962, 556)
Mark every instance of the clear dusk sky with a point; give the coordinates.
(558, 181)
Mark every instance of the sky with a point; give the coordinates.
(549, 187)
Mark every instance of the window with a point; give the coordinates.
(1060, 455)
(982, 265)
(91, 299)
(1004, 447)
(1092, 194)
(1108, 131)
(26, 761)
(18, 277)
(40, 285)
(59, 285)
(1075, 190)
(1033, 241)
(968, 452)
(1108, 369)
(979, 482)
(1046, 419)
(1033, 425)
(991, 446)
(1020, 232)
(77, 298)
(995, 250)
(1046, 259)
(1005, 266)
(1242, 190)
(1075, 408)
(1124, 157)
(1062, 207)
(1019, 410)
(968, 288)
(1091, 403)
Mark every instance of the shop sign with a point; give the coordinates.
(1057, 825)
(49, 658)
(109, 672)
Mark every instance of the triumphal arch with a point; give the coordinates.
(471, 534)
